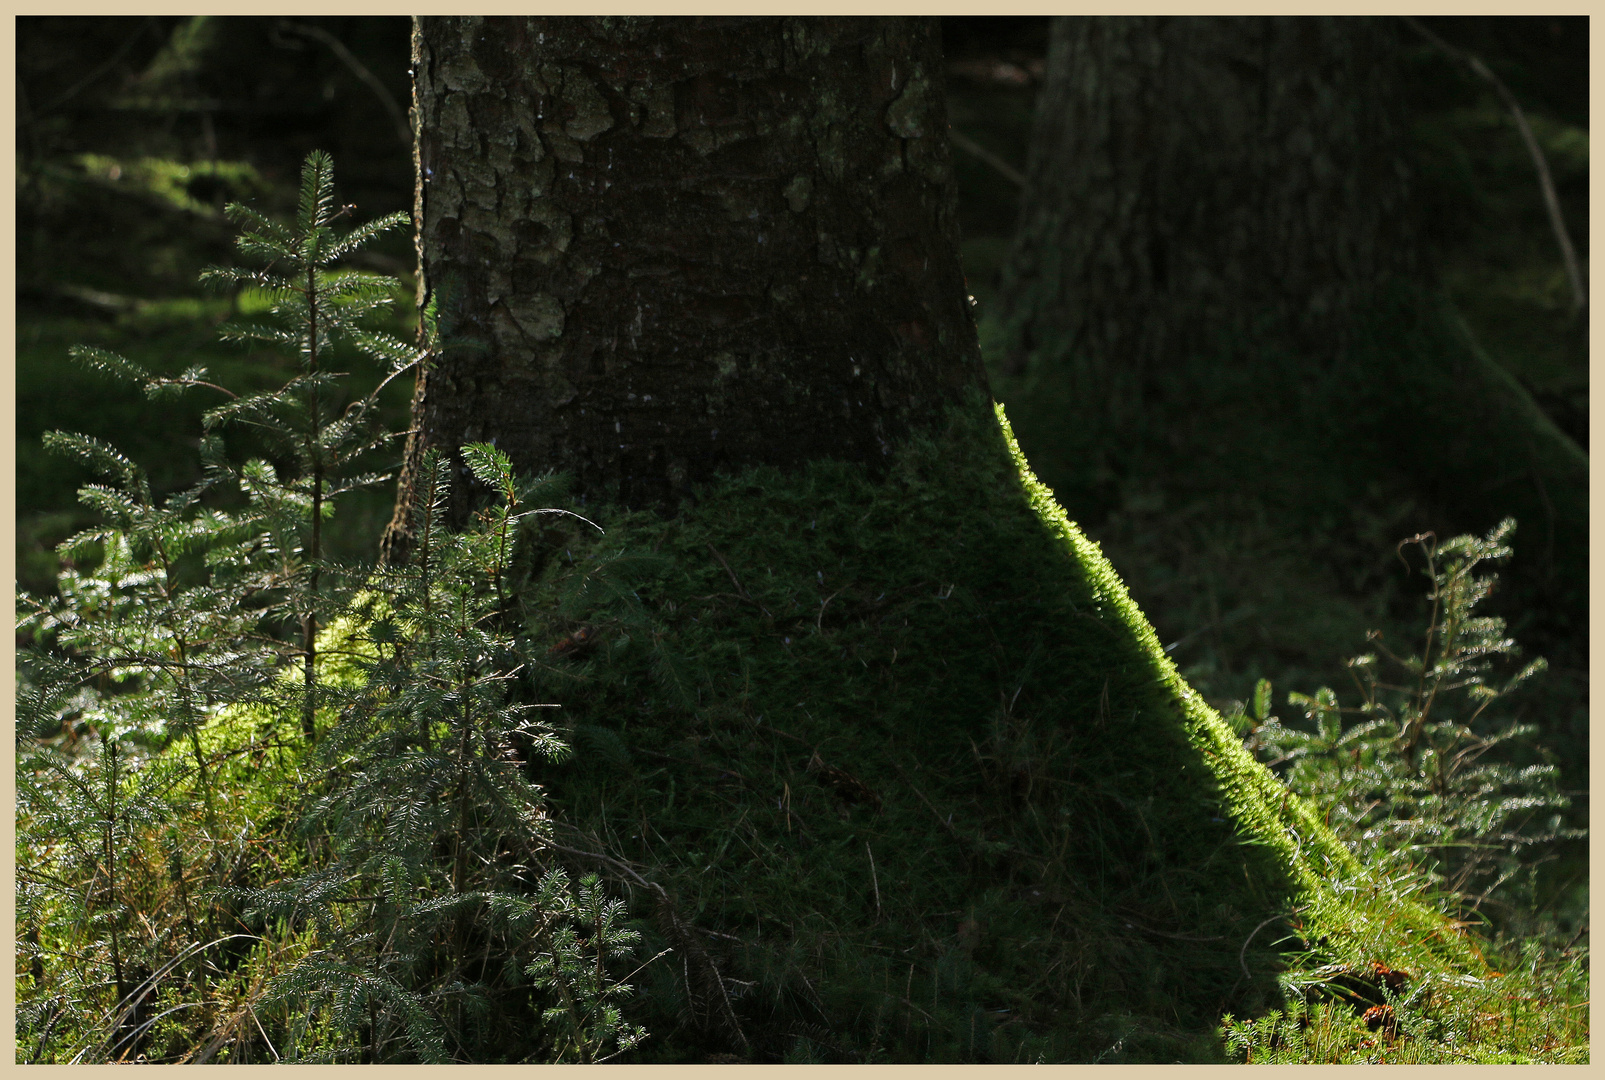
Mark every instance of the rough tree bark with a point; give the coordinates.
(664, 248)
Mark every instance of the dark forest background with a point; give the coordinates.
(132, 134)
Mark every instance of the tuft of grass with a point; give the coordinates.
(1535, 1011)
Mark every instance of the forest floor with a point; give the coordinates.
(115, 224)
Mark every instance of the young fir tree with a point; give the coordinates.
(1429, 774)
(170, 613)
(313, 309)
(186, 640)
(472, 938)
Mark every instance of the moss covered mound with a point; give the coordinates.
(1255, 504)
(900, 772)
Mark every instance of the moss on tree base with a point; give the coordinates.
(913, 775)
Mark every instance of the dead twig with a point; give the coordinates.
(1242, 954)
(1568, 254)
(398, 119)
(874, 879)
(741, 590)
(948, 825)
(975, 149)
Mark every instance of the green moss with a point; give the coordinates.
(915, 766)
(1255, 507)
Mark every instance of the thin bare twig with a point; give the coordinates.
(360, 70)
(874, 879)
(1568, 253)
(975, 149)
(740, 589)
(1242, 954)
(946, 823)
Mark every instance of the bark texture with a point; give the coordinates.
(661, 248)
(1194, 181)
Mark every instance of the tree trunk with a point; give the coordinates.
(667, 248)
(1195, 181)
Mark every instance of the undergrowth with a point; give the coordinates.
(1424, 786)
(847, 768)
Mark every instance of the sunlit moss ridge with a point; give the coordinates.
(907, 754)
